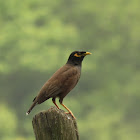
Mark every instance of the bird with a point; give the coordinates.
(61, 82)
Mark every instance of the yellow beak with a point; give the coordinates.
(88, 53)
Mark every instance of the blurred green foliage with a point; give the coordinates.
(36, 38)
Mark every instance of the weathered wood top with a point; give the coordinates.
(54, 124)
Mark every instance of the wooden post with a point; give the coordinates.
(54, 124)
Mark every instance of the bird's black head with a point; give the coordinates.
(77, 57)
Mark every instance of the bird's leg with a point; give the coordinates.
(69, 111)
(53, 100)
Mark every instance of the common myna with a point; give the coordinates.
(62, 81)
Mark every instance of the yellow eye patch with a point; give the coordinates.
(77, 55)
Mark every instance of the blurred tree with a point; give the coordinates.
(36, 39)
(8, 121)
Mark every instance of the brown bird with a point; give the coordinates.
(62, 81)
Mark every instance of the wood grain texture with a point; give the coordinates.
(54, 124)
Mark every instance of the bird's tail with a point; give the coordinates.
(32, 106)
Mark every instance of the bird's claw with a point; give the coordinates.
(70, 114)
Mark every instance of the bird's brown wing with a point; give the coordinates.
(47, 91)
(62, 81)
(52, 87)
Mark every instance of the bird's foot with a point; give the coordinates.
(67, 113)
(70, 114)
